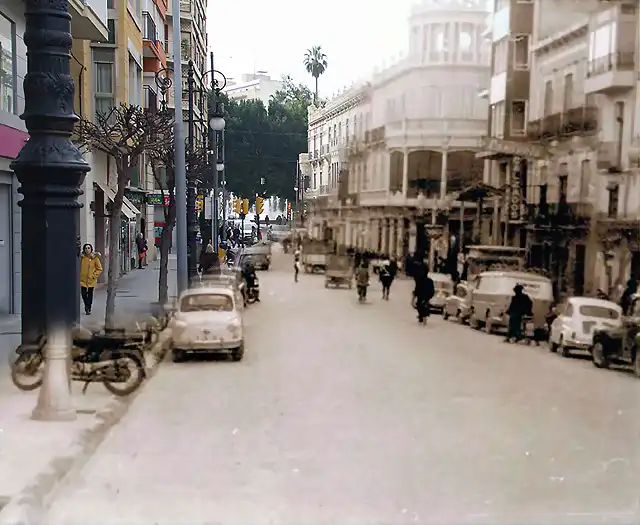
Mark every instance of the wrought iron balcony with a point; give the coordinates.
(575, 121)
(559, 214)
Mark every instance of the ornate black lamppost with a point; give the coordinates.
(164, 83)
(217, 125)
(51, 170)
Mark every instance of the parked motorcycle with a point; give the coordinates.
(114, 358)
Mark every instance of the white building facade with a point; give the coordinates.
(255, 86)
(389, 158)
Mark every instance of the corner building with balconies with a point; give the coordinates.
(580, 201)
(391, 158)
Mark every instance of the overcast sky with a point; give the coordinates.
(356, 35)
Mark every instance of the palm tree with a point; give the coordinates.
(316, 63)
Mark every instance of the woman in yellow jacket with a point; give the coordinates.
(90, 270)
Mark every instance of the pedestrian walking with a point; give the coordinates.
(141, 245)
(362, 280)
(90, 270)
(627, 296)
(388, 272)
(209, 262)
(519, 307)
(424, 289)
(296, 264)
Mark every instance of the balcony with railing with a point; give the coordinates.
(88, 19)
(185, 6)
(577, 121)
(152, 46)
(610, 74)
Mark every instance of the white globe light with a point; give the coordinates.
(217, 123)
(219, 166)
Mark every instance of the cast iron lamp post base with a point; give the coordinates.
(51, 171)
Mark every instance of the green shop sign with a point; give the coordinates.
(135, 197)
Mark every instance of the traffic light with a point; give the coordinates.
(259, 205)
(245, 206)
(289, 211)
(237, 206)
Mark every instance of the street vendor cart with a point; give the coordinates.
(339, 271)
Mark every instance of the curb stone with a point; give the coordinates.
(29, 507)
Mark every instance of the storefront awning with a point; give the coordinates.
(128, 209)
(108, 192)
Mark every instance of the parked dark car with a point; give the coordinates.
(619, 345)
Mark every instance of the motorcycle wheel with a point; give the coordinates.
(27, 371)
(135, 374)
(251, 298)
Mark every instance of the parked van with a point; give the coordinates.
(492, 293)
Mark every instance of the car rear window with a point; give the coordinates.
(210, 302)
(601, 312)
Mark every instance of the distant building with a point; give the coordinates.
(254, 86)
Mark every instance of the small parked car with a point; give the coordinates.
(577, 322)
(443, 285)
(208, 320)
(458, 305)
(619, 345)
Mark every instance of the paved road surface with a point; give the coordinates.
(353, 414)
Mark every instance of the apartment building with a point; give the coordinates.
(392, 157)
(505, 145)
(254, 86)
(571, 177)
(109, 71)
(88, 21)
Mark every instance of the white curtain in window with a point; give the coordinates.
(104, 78)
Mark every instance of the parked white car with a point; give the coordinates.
(208, 320)
(578, 319)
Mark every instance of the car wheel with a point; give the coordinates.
(179, 355)
(553, 347)
(445, 314)
(599, 356)
(562, 349)
(237, 353)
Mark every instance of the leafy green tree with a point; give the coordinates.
(315, 61)
(263, 144)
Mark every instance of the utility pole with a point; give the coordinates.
(179, 156)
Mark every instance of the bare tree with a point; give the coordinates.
(124, 134)
(162, 160)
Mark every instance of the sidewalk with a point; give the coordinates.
(31, 451)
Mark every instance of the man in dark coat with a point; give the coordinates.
(424, 290)
(520, 306)
(388, 272)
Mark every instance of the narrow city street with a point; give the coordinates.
(343, 413)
